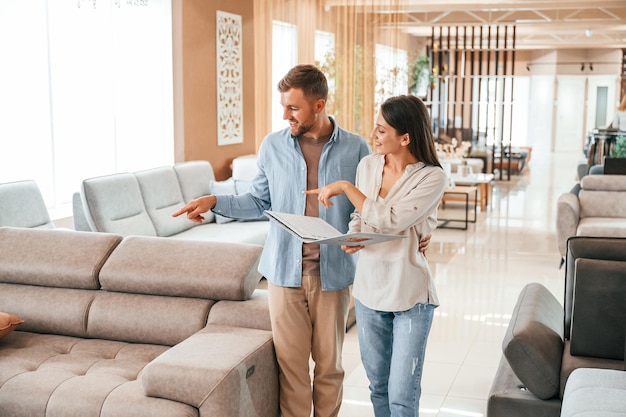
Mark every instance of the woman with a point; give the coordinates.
(397, 191)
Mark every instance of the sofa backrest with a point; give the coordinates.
(194, 178)
(134, 289)
(598, 328)
(114, 204)
(603, 196)
(22, 205)
(595, 277)
(49, 278)
(162, 197)
(142, 203)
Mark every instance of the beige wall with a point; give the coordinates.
(195, 97)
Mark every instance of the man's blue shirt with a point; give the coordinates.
(279, 185)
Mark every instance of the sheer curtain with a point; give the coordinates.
(350, 65)
(85, 90)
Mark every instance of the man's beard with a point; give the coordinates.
(300, 129)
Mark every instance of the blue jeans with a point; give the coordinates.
(392, 347)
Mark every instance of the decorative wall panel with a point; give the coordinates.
(229, 79)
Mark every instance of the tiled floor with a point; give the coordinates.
(479, 274)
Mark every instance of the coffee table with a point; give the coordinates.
(483, 181)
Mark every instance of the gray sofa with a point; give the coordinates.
(598, 209)
(142, 203)
(133, 326)
(546, 342)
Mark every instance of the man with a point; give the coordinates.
(308, 283)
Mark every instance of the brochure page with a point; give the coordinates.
(316, 230)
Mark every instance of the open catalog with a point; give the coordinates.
(316, 230)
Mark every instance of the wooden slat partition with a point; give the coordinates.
(473, 68)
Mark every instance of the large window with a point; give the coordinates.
(325, 60)
(392, 67)
(284, 57)
(85, 90)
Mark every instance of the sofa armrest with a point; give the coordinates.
(567, 217)
(220, 370)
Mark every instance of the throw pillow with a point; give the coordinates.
(8, 323)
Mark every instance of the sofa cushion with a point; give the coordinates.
(8, 323)
(244, 167)
(22, 205)
(194, 178)
(595, 392)
(602, 226)
(52, 375)
(609, 248)
(61, 311)
(114, 204)
(140, 318)
(252, 313)
(183, 268)
(533, 344)
(598, 310)
(162, 197)
(597, 190)
(55, 257)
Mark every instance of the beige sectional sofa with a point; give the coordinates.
(133, 326)
(141, 203)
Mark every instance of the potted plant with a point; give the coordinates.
(619, 148)
(421, 76)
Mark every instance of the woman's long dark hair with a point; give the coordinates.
(408, 114)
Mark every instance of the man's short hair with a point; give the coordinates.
(310, 79)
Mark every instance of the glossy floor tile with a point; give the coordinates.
(479, 273)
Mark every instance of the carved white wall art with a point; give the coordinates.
(229, 79)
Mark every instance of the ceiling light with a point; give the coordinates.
(588, 33)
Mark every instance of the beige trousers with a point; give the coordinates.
(309, 323)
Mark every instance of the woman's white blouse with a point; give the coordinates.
(394, 275)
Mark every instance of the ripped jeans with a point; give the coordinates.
(392, 347)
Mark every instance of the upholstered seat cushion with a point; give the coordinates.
(595, 393)
(97, 377)
(533, 344)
